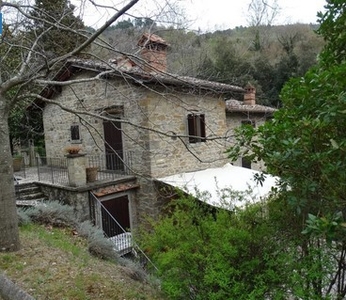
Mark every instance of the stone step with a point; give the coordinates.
(22, 187)
(28, 192)
(29, 196)
(29, 203)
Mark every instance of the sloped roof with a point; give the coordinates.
(239, 106)
(146, 37)
(221, 187)
(163, 78)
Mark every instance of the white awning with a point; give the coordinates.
(225, 187)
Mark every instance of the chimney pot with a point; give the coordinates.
(250, 95)
(154, 52)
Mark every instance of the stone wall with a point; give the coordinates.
(146, 114)
(234, 120)
(78, 199)
(172, 153)
(155, 129)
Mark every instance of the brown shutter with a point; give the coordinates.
(75, 133)
(202, 126)
(192, 128)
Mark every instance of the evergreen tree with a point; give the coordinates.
(56, 40)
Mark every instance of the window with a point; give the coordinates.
(248, 122)
(196, 127)
(245, 163)
(75, 136)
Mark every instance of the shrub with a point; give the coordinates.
(220, 255)
(98, 245)
(23, 218)
(53, 213)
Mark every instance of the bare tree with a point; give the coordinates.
(23, 64)
(262, 12)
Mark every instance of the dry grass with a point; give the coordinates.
(55, 264)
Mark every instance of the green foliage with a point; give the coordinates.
(27, 125)
(10, 56)
(48, 12)
(332, 29)
(98, 245)
(125, 24)
(227, 64)
(52, 213)
(220, 255)
(305, 145)
(331, 226)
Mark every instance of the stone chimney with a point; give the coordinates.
(123, 63)
(154, 52)
(250, 95)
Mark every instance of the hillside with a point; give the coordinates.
(55, 264)
(266, 56)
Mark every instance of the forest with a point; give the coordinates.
(265, 55)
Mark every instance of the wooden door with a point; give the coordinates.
(118, 208)
(113, 145)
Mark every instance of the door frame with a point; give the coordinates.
(114, 156)
(98, 212)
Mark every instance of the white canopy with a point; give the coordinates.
(225, 187)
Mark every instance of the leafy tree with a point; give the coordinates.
(43, 15)
(206, 253)
(144, 23)
(332, 28)
(125, 24)
(49, 12)
(305, 146)
(227, 64)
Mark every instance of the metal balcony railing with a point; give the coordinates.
(54, 170)
(122, 239)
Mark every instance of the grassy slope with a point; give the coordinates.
(55, 264)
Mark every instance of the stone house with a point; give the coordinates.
(246, 112)
(154, 123)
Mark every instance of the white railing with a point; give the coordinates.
(122, 239)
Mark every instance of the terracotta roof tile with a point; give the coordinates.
(164, 78)
(239, 106)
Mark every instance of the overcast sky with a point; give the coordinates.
(223, 14)
(210, 15)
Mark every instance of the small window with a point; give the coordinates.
(248, 122)
(246, 163)
(75, 136)
(196, 126)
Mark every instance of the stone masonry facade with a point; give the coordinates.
(154, 113)
(154, 129)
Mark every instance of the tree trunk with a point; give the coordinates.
(10, 291)
(9, 233)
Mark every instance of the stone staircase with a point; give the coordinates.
(28, 194)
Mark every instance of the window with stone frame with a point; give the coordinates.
(245, 162)
(196, 128)
(75, 133)
(249, 122)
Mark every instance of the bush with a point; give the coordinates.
(220, 255)
(23, 218)
(98, 245)
(52, 213)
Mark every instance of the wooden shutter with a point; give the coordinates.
(202, 127)
(75, 133)
(192, 128)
